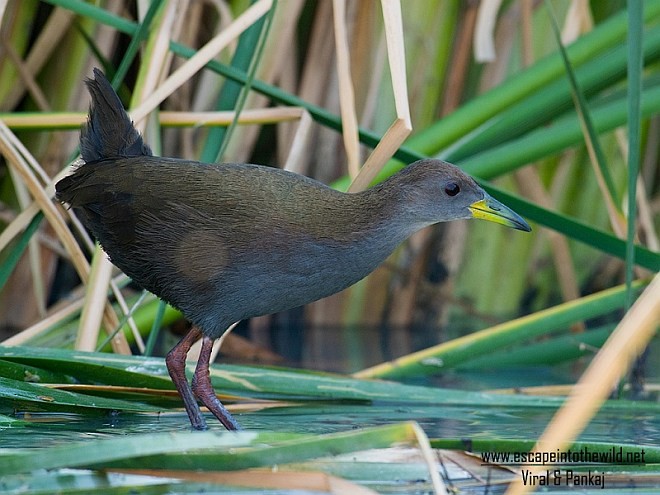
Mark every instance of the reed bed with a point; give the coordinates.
(552, 106)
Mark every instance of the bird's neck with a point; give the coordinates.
(382, 217)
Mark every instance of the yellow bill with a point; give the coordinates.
(492, 210)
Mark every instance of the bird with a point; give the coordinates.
(223, 242)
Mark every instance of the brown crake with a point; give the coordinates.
(225, 242)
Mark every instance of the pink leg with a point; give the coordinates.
(203, 389)
(176, 366)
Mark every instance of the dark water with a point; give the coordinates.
(609, 425)
(620, 425)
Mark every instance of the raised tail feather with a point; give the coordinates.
(109, 132)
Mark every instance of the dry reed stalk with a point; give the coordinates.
(628, 340)
(201, 58)
(276, 66)
(484, 39)
(402, 126)
(17, 157)
(57, 120)
(346, 93)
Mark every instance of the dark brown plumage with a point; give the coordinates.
(225, 242)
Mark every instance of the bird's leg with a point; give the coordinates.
(203, 388)
(176, 366)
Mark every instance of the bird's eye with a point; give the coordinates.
(452, 189)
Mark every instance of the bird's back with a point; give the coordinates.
(220, 242)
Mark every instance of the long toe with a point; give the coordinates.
(210, 400)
